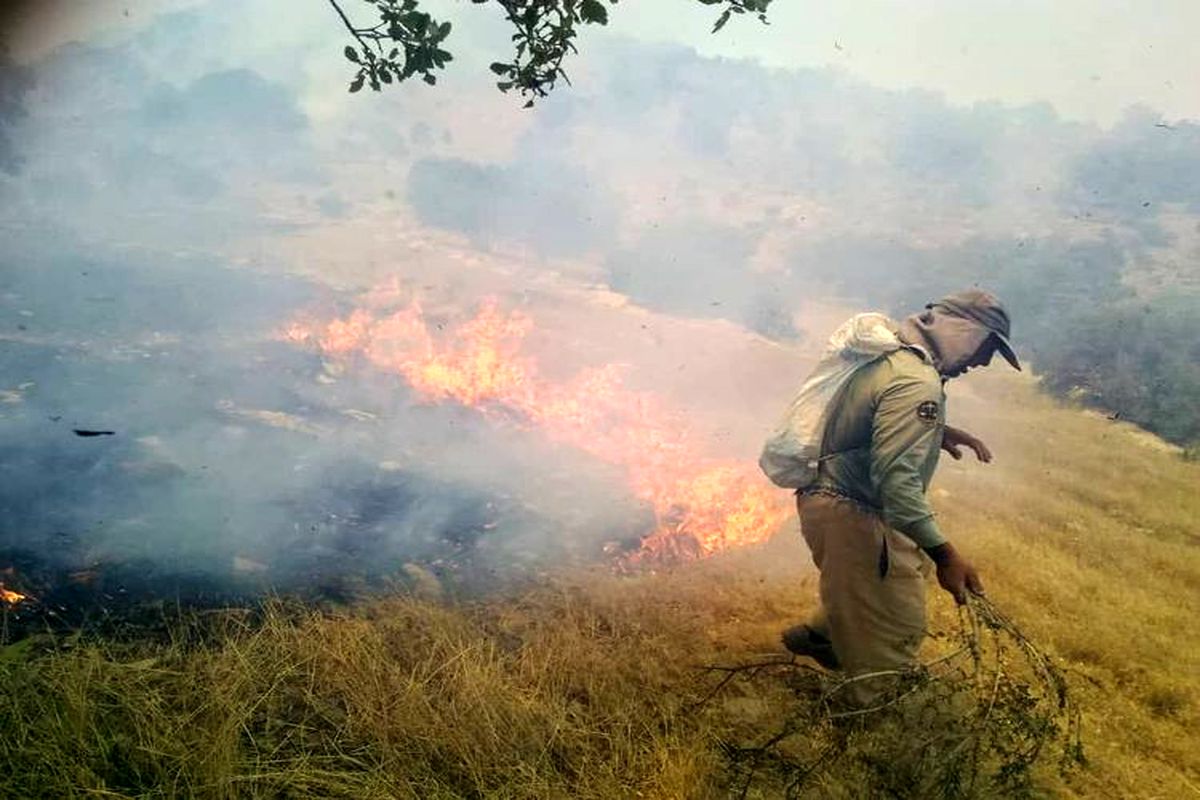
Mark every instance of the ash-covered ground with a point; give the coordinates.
(158, 440)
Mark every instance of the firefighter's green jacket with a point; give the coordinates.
(882, 441)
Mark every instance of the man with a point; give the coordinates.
(866, 519)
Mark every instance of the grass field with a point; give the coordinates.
(585, 686)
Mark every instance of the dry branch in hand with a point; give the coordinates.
(977, 718)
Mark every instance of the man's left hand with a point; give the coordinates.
(955, 438)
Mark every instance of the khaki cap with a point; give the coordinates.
(985, 309)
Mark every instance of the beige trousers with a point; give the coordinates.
(872, 591)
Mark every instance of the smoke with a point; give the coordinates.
(235, 454)
(1132, 173)
(174, 196)
(539, 201)
(14, 83)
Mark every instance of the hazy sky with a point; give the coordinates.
(1089, 58)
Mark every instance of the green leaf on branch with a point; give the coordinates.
(544, 34)
(593, 11)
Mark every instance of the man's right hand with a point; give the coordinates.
(955, 574)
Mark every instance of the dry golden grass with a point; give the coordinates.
(585, 686)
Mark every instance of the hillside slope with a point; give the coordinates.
(583, 686)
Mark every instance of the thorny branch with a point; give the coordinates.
(974, 714)
(752, 669)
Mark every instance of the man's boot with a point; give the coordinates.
(804, 641)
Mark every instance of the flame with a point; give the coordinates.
(10, 597)
(702, 505)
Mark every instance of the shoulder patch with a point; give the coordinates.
(928, 412)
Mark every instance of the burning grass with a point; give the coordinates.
(10, 597)
(591, 684)
(702, 504)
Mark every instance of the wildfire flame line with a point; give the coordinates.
(702, 505)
